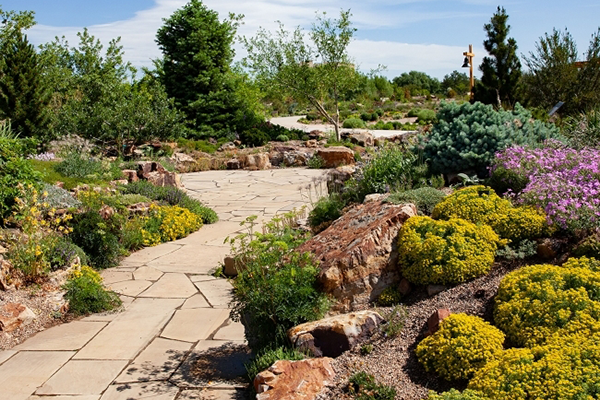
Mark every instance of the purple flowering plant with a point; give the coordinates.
(561, 180)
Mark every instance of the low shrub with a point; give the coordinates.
(537, 301)
(589, 247)
(282, 138)
(394, 321)
(454, 394)
(254, 137)
(362, 386)
(354, 123)
(167, 223)
(567, 368)
(524, 249)
(64, 253)
(79, 165)
(315, 162)
(265, 358)
(480, 204)
(59, 198)
(326, 210)
(462, 345)
(445, 252)
(86, 294)
(273, 266)
(390, 296)
(98, 238)
(132, 235)
(132, 198)
(425, 198)
(505, 181)
(427, 116)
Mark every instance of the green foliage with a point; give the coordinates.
(24, 96)
(282, 138)
(272, 266)
(326, 210)
(315, 162)
(395, 320)
(425, 198)
(583, 130)
(267, 357)
(445, 252)
(60, 198)
(589, 247)
(86, 295)
(503, 180)
(501, 71)
(354, 123)
(467, 136)
(418, 83)
(481, 205)
(362, 386)
(98, 238)
(390, 296)
(64, 252)
(454, 394)
(79, 165)
(172, 196)
(566, 368)
(539, 300)
(522, 250)
(554, 74)
(200, 145)
(461, 346)
(459, 82)
(427, 116)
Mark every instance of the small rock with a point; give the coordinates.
(234, 163)
(311, 143)
(432, 290)
(106, 212)
(3, 250)
(546, 249)
(294, 380)
(364, 139)
(479, 294)
(231, 267)
(130, 175)
(335, 156)
(404, 288)
(227, 146)
(433, 323)
(376, 197)
(13, 316)
(59, 184)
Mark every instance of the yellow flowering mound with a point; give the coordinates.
(568, 367)
(536, 301)
(461, 346)
(445, 252)
(167, 223)
(480, 204)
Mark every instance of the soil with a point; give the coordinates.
(392, 360)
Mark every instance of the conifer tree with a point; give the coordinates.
(502, 69)
(24, 97)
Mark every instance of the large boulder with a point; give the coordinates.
(364, 139)
(332, 336)
(183, 162)
(335, 156)
(257, 161)
(358, 254)
(294, 380)
(156, 174)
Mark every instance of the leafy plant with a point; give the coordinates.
(86, 295)
(354, 123)
(169, 223)
(267, 357)
(425, 198)
(462, 345)
(520, 251)
(315, 162)
(389, 297)
(362, 386)
(326, 210)
(98, 238)
(63, 254)
(395, 320)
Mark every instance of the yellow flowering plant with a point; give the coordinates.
(445, 252)
(166, 223)
(463, 344)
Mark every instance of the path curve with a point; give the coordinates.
(174, 311)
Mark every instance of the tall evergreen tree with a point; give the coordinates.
(24, 97)
(502, 70)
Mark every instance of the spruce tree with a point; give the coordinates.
(502, 69)
(24, 97)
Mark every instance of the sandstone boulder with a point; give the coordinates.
(433, 323)
(145, 168)
(13, 316)
(183, 162)
(258, 161)
(364, 139)
(130, 175)
(335, 156)
(332, 336)
(234, 163)
(227, 146)
(165, 178)
(294, 380)
(358, 253)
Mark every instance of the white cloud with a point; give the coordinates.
(138, 33)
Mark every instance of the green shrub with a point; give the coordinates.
(86, 295)
(425, 198)
(445, 252)
(132, 198)
(265, 358)
(363, 386)
(413, 113)
(390, 296)
(567, 368)
(462, 345)
(354, 123)
(254, 137)
(454, 394)
(395, 320)
(172, 196)
(537, 301)
(132, 235)
(199, 145)
(79, 165)
(589, 247)
(290, 279)
(282, 138)
(97, 238)
(368, 116)
(59, 198)
(503, 180)
(315, 162)
(64, 252)
(524, 249)
(480, 204)
(326, 210)
(467, 136)
(427, 116)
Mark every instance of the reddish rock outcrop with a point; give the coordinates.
(156, 174)
(294, 380)
(357, 253)
(433, 323)
(335, 156)
(13, 315)
(332, 336)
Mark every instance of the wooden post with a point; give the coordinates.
(470, 55)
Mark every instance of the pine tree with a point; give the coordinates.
(24, 97)
(502, 70)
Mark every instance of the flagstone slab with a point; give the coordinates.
(113, 276)
(196, 301)
(219, 292)
(194, 324)
(130, 288)
(83, 397)
(71, 336)
(171, 286)
(147, 274)
(23, 373)
(148, 254)
(202, 278)
(157, 362)
(213, 394)
(5, 355)
(192, 259)
(233, 331)
(141, 391)
(131, 331)
(79, 377)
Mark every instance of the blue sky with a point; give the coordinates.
(404, 35)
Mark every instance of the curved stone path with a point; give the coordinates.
(174, 339)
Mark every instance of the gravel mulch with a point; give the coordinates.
(393, 361)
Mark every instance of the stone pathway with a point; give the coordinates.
(174, 339)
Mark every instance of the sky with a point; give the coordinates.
(404, 35)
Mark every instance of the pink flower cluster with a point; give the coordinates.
(563, 181)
